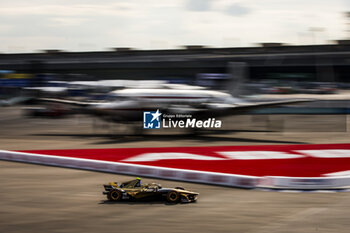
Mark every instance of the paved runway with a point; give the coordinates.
(37, 198)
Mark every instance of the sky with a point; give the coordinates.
(92, 25)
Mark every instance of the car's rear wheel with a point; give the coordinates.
(114, 195)
(173, 197)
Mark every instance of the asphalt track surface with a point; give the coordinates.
(36, 198)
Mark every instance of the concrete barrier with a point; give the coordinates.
(133, 169)
(304, 183)
(232, 180)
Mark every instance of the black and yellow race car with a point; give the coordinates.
(135, 190)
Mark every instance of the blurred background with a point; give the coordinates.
(83, 51)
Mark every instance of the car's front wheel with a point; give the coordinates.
(114, 195)
(173, 197)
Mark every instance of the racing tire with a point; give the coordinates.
(114, 195)
(173, 197)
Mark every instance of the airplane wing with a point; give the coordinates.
(70, 102)
(256, 105)
(218, 110)
(207, 110)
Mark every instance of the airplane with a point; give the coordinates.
(128, 104)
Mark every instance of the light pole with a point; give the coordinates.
(313, 31)
(347, 14)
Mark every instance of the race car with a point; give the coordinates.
(135, 190)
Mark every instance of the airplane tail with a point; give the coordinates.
(238, 72)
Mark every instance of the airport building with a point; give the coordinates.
(323, 63)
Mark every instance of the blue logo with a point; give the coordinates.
(151, 120)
